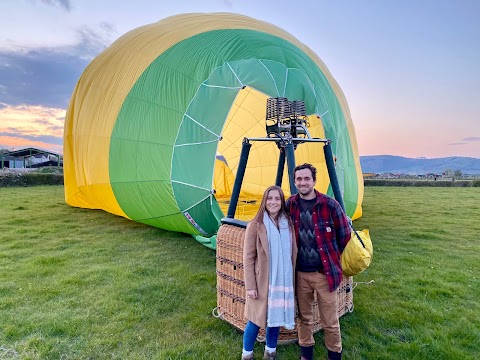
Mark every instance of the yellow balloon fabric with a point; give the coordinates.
(356, 258)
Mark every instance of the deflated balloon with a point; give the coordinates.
(155, 125)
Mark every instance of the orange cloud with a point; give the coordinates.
(12, 143)
(31, 126)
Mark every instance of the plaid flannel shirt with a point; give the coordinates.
(332, 231)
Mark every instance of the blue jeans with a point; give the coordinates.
(251, 332)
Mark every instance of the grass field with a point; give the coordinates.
(85, 284)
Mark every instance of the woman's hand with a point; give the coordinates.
(252, 294)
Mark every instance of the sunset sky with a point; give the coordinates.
(409, 69)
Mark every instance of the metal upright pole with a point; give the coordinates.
(242, 165)
(281, 166)
(290, 155)
(327, 149)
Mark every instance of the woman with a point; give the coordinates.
(269, 256)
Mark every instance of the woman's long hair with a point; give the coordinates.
(263, 205)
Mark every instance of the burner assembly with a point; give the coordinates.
(286, 119)
(286, 123)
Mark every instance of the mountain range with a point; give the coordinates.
(418, 166)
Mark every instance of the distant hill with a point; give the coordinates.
(418, 166)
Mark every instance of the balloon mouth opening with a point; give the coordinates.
(228, 106)
(246, 118)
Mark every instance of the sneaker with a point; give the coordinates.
(269, 356)
(247, 357)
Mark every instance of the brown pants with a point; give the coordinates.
(306, 284)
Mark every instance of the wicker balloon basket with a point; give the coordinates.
(231, 287)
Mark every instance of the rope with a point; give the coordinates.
(194, 186)
(323, 114)
(215, 313)
(223, 87)
(355, 283)
(198, 143)
(285, 85)
(198, 202)
(274, 82)
(261, 338)
(195, 121)
(234, 73)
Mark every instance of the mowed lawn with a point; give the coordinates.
(85, 284)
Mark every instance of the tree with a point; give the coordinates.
(448, 173)
(457, 174)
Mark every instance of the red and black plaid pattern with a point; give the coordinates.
(332, 232)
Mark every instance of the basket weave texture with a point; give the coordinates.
(231, 286)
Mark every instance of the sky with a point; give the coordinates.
(410, 70)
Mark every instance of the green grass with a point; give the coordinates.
(85, 284)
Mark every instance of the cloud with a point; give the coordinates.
(55, 140)
(36, 85)
(47, 76)
(48, 124)
(466, 140)
(108, 28)
(37, 126)
(62, 3)
(92, 41)
(38, 77)
(13, 143)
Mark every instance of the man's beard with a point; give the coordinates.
(305, 191)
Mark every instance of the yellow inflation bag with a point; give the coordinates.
(358, 253)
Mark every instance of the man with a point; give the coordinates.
(322, 231)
